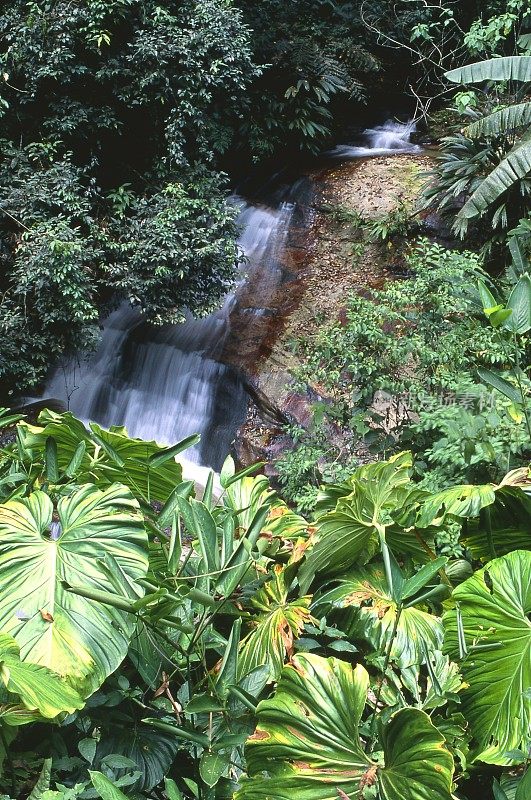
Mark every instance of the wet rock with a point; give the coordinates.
(260, 312)
(330, 260)
(299, 408)
(434, 226)
(245, 451)
(422, 138)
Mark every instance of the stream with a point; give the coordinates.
(168, 382)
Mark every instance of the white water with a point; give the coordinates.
(391, 138)
(166, 383)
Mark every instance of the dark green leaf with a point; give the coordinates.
(52, 470)
(158, 459)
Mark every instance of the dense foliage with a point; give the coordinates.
(117, 119)
(165, 646)
(418, 365)
(366, 635)
(112, 118)
(483, 171)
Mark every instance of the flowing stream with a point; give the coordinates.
(391, 138)
(165, 383)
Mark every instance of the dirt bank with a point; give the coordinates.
(335, 259)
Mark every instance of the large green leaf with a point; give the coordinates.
(105, 787)
(151, 653)
(274, 631)
(109, 456)
(520, 259)
(97, 538)
(511, 169)
(494, 379)
(510, 524)
(152, 750)
(520, 304)
(247, 495)
(307, 743)
(500, 122)
(38, 688)
(510, 68)
(494, 606)
(458, 501)
(351, 531)
(366, 593)
(417, 764)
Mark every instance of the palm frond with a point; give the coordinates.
(513, 168)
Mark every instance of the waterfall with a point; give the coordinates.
(391, 138)
(168, 382)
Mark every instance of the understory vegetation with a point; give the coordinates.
(159, 645)
(359, 627)
(428, 363)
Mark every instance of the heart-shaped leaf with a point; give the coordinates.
(494, 608)
(81, 639)
(307, 743)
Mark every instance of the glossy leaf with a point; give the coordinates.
(501, 385)
(523, 790)
(38, 688)
(495, 604)
(459, 501)
(510, 524)
(509, 68)
(81, 639)
(247, 495)
(500, 122)
(520, 259)
(417, 764)
(105, 787)
(512, 168)
(274, 631)
(172, 790)
(151, 750)
(158, 459)
(109, 456)
(351, 532)
(307, 743)
(50, 458)
(520, 304)
(366, 594)
(212, 766)
(417, 582)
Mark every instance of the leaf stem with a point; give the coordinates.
(372, 738)
(486, 522)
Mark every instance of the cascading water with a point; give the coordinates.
(391, 138)
(166, 383)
